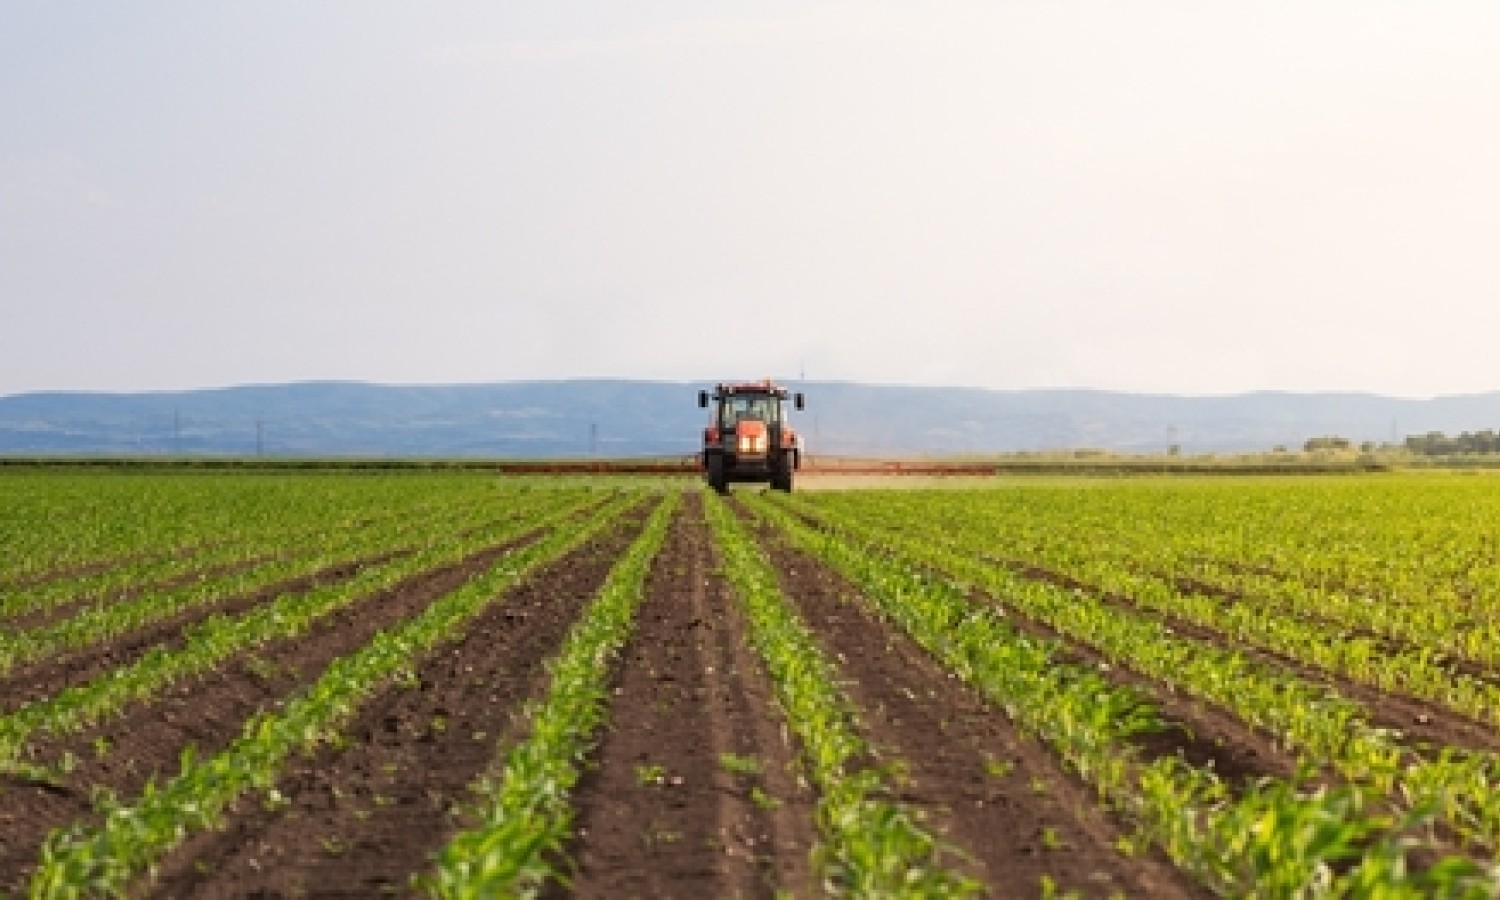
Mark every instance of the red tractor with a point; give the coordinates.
(749, 437)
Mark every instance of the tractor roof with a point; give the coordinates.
(752, 387)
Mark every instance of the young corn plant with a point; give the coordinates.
(525, 817)
(871, 845)
(220, 637)
(1185, 810)
(77, 861)
(1310, 719)
(99, 623)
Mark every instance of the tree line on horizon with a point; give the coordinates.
(1433, 443)
(1436, 443)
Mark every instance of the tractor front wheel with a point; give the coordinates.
(781, 478)
(716, 478)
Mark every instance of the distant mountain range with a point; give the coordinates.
(578, 418)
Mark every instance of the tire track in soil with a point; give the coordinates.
(41, 679)
(145, 740)
(689, 690)
(361, 820)
(999, 796)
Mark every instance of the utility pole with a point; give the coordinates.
(593, 439)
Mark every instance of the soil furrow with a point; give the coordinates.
(1384, 594)
(360, 820)
(693, 792)
(1421, 722)
(998, 795)
(1386, 643)
(1202, 733)
(44, 678)
(144, 741)
(94, 567)
(41, 618)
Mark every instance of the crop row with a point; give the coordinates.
(282, 538)
(872, 846)
(971, 578)
(1412, 559)
(57, 527)
(218, 638)
(1311, 719)
(1330, 836)
(524, 812)
(1395, 632)
(94, 623)
(133, 835)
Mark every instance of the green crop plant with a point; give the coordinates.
(219, 637)
(1305, 715)
(127, 532)
(871, 845)
(1088, 722)
(523, 812)
(132, 836)
(736, 764)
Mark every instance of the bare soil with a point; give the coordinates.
(693, 790)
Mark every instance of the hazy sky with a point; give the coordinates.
(1183, 197)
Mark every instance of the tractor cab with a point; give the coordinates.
(759, 407)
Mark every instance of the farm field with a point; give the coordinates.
(464, 685)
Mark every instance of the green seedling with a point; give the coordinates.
(650, 775)
(762, 799)
(1052, 839)
(739, 765)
